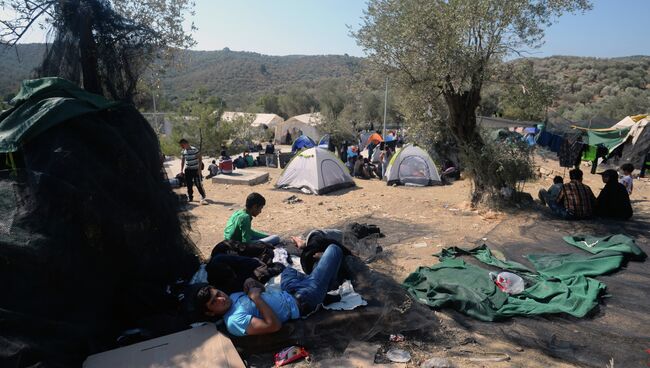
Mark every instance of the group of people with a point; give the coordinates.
(380, 153)
(575, 200)
(241, 264)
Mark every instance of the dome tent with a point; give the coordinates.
(411, 165)
(302, 142)
(315, 170)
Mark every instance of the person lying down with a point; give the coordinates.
(256, 311)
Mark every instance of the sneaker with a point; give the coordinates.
(203, 201)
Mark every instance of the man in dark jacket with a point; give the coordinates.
(613, 200)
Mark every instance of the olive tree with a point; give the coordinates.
(102, 45)
(448, 48)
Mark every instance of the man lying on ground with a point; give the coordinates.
(256, 311)
(239, 224)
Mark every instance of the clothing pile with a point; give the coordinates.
(557, 283)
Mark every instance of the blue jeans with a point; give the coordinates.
(558, 210)
(311, 289)
(271, 239)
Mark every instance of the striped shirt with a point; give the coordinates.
(578, 199)
(191, 156)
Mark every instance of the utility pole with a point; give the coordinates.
(385, 106)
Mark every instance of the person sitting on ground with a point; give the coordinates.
(228, 272)
(250, 162)
(450, 172)
(225, 163)
(613, 200)
(575, 201)
(240, 162)
(550, 195)
(358, 170)
(256, 311)
(626, 180)
(213, 169)
(239, 224)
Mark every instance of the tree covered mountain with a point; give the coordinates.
(581, 88)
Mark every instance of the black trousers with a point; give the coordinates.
(193, 177)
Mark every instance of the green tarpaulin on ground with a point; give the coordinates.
(615, 243)
(560, 283)
(60, 101)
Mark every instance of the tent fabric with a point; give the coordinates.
(610, 139)
(316, 170)
(324, 142)
(302, 142)
(374, 138)
(560, 283)
(42, 104)
(411, 165)
(90, 234)
(614, 243)
(469, 289)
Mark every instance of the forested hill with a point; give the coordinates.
(237, 77)
(583, 87)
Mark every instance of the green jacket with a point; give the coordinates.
(239, 228)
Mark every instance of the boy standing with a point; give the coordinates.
(626, 180)
(191, 160)
(239, 224)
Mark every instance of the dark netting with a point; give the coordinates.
(90, 239)
(619, 328)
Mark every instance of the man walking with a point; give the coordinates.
(269, 154)
(191, 160)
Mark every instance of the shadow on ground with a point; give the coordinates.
(618, 328)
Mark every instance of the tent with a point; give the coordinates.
(631, 133)
(324, 142)
(412, 166)
(84, 253)
(307, 124)
(302, 142)
(317, 171)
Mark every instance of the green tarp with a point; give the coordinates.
(559, 283)
(615, 243)
(57, 100)
(610, 138)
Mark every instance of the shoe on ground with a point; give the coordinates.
(204, 201)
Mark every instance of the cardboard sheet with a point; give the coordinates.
(198, 347)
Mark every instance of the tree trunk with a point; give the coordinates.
(88, 53)
(462, 120)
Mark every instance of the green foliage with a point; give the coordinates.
(500, 164)
(526, 97)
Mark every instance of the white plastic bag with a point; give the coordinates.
(508, 282)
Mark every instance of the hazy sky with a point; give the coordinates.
(281, 27)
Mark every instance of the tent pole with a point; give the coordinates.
(385, 105)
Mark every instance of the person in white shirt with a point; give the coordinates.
(626, 180)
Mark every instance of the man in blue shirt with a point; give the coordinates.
(257, 312)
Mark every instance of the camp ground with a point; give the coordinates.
(423, 197)
(431, 240)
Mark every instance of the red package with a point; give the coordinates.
(290, 355)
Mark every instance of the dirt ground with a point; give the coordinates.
(421, 221)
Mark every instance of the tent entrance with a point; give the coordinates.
(414, 170)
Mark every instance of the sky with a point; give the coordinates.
(316, 27)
